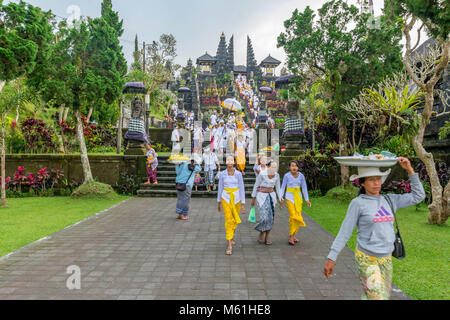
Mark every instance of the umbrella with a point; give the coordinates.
(265, 90)
(232, 104)
(135, 87)
(284, 80)
(184, 90)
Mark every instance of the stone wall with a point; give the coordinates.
(105, 169)
(158, 135)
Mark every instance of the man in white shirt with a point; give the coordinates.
(211, 164)
(197, 138)
(175, 109)
(214, 119)
(176, 139)
(231, 118)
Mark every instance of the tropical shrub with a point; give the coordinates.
(15, 143)
(38, 135)
(128, 184)
(398, 187)
(443, 172)
(39, 182)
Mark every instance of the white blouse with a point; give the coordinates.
(232, 182)
(263, 181)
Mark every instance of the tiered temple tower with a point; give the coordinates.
(230, 56)
(252, 65)
(221, 57)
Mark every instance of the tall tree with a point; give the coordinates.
(88, 66)
(426, 68)
(24, 32)
(340, 44)
(160, 67)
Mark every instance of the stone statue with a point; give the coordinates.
(294, 132)
(137, 109)
(136, 137)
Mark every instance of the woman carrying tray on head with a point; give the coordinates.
(186, 171)
(374, 217)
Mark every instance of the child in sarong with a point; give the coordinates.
(151, 164)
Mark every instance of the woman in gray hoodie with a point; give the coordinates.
(374, 217)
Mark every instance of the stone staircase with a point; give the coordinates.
(166, 182)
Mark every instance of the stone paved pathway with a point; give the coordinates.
(138, 250)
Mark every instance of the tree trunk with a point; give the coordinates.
(438, 213)
(61, 138)
(119, 128)
(83, 150)
(17, 111)
(88, 120)
(446, 204)
(65, 114)
(3, 160)
(345, 173)
(200, 116)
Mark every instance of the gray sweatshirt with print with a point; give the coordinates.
(375, 221)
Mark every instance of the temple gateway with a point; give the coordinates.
(212, 79)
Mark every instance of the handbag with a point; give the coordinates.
(399, 247)
(182, 186)
(252, 215)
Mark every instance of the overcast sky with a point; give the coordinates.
(198, 24)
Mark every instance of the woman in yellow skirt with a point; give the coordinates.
(240, 151)
(294, 184)
(231, 196)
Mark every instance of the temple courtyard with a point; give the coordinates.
(138, 250)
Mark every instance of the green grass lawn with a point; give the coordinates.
(425, 272)
(29, 219)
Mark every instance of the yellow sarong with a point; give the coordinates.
(231, 212)
(295, 211)
(240, 159)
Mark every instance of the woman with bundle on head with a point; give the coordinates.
(374, 215)
(186, 172)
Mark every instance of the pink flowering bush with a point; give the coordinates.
(40, 181)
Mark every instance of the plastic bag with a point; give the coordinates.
(252, 215)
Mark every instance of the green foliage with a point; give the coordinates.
(128, 184)
(434, 13)
(94, 189)
(389, 105)
(444, 132)
(87, 65)
(18, 50)
(399, 146)
(338, 41)
(343, 194)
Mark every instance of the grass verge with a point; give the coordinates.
(424, 274)
(29, 219)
